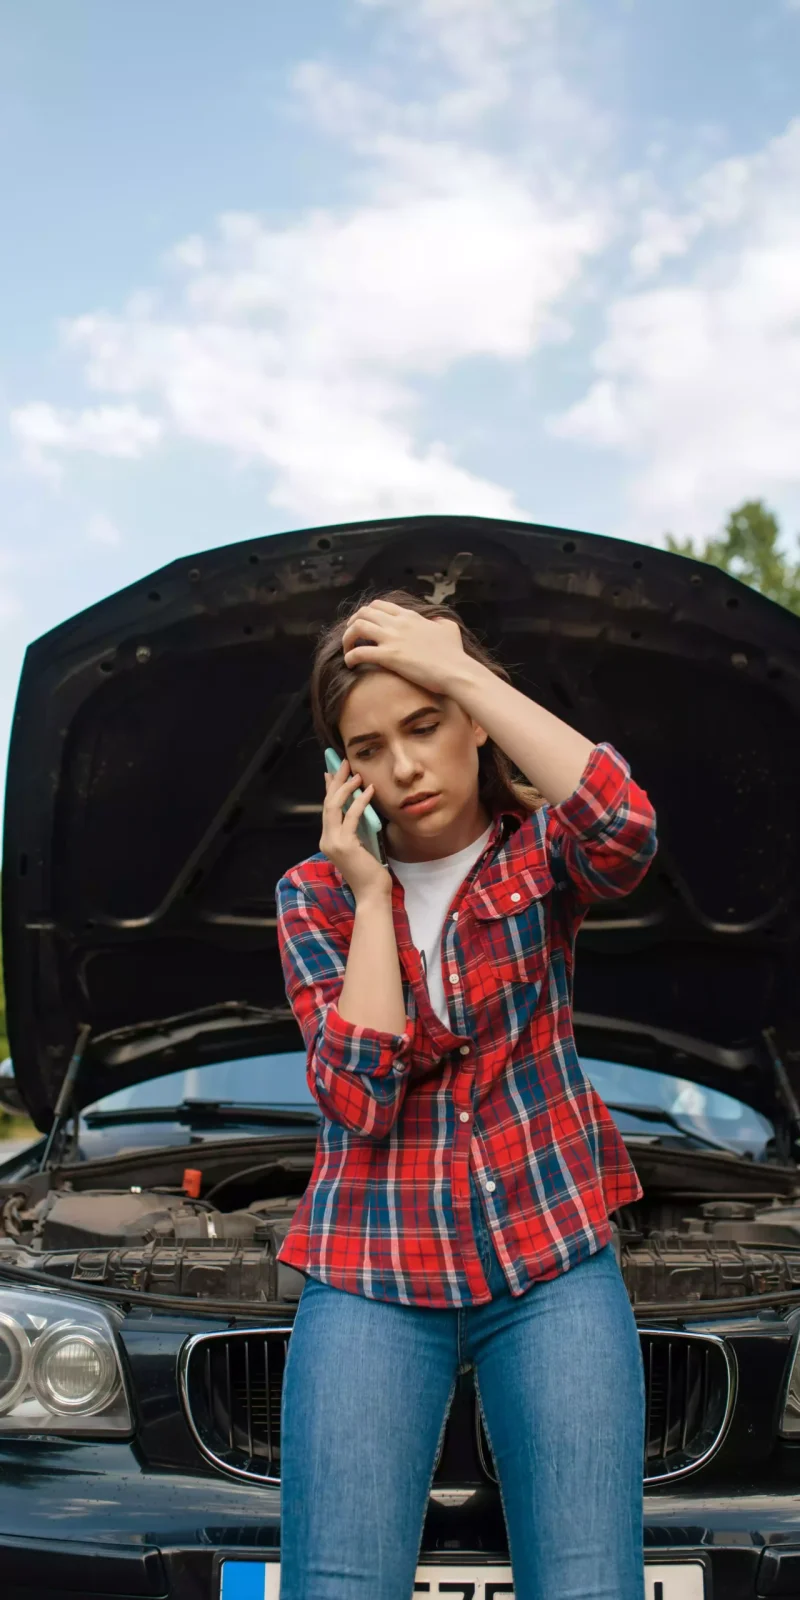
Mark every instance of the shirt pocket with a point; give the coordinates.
(513, 923)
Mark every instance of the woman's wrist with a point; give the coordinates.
(375, 899)
(550, 753)
(466, 680)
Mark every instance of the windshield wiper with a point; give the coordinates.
(655, 1114)
(202, 1113)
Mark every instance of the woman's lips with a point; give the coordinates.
(420, 807)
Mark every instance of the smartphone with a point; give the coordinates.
(370, 827)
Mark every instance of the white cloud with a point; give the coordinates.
(514, 69)
(301, 348)
(305, 349)
(698, 377)
(121, 431)
(662, 235)
(101, 530)
(478, 40)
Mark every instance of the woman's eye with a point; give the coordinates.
(366, 755)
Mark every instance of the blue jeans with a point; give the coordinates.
(367, 1389)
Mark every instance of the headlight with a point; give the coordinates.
(60, 1370)
(15, 1359)
(790, 1419)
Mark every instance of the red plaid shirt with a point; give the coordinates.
(501, 1092)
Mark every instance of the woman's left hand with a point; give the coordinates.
(426, 650)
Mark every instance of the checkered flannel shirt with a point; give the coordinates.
(498, 1092)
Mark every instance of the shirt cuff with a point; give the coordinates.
(367, 1050)
(591, 809)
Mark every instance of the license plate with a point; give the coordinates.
(260, 1580)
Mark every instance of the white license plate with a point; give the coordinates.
(260, 1580)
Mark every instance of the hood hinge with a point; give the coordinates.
(786, 1093)
(62, 1110)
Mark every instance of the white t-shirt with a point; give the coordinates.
(429, 888)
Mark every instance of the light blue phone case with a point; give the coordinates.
(369, 827)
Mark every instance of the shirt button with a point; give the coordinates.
(454, 977)
(463, 1116)
(516, 896)
(490, 1187)
(455, 916)
(463, 1049)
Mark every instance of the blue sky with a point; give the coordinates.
(269, 265)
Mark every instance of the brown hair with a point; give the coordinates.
(332, 681)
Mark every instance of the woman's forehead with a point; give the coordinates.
(386, 700)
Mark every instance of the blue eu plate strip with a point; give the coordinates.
(249, 1580)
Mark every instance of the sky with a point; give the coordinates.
(266, 266)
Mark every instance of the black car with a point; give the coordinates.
(163, 775)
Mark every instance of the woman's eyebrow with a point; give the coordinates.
(421, 711)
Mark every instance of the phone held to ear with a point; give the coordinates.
(370, 827)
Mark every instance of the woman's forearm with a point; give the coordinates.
(550, 753)
(372, 992)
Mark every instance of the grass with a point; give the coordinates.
(12, 1127)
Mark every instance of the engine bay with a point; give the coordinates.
(157, 1242)
(697, 1245)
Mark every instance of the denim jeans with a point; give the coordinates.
(367, 1389)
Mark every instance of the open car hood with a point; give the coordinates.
(163, 775)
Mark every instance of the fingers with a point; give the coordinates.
(388, 607)
(359, 804)
(339, 826)
(364, 622)
(348, 831)
(339, 787)
(337, 791)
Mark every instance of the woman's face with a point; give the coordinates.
(408, 742)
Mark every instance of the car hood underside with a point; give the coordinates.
(164, 774)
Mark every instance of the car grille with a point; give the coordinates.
(689, 1384)
(689, 1393)
(232, 1383)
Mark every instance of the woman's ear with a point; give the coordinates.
(480, 733)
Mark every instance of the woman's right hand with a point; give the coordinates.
(340, 842)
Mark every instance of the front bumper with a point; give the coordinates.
(151, 1518)
(91, 1520)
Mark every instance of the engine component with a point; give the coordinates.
(690, 1268)
(63, 1220)
(192, 1272)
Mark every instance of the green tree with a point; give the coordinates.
(749, 548)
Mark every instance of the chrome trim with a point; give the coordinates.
(184, 1356)
(680, 1472)
(733, 1375)
(285, 1331)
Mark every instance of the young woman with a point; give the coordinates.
(458, 1211)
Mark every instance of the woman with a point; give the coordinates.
(458, 1210)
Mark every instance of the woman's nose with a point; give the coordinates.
(404, 767)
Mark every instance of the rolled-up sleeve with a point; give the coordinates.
(604, 834)
(357, 1075)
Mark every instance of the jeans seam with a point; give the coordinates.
(497, 1469)
(433, 1468)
